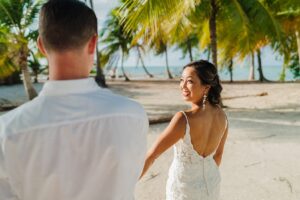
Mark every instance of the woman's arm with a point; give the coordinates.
(174, 131)
(219, 153)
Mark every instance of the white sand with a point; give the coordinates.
(261, 159)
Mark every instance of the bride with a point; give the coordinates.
(198, 136)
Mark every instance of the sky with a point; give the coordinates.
(102, 8)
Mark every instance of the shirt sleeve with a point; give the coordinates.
(6, 191)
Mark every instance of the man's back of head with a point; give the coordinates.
(67, 37)
(66, 24)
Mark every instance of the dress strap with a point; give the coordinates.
(187, 120)
(187, 137)
(226, 123)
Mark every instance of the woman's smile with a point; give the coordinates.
(185, 93)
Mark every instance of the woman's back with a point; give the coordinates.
(206, 129)
(194, 173)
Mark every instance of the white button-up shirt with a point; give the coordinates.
(75, 141)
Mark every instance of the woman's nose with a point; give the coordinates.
(183, 84)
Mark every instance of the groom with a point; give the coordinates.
(75, 141)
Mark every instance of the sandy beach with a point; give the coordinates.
(261, 158)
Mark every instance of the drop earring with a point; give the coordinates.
(204, 101)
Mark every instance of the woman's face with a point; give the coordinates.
(192, 89)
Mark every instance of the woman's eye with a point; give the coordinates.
(190, 81)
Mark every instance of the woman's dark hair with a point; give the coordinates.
(208, 75)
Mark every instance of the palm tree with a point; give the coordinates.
(8, 53)
(35, 64)
(159, 42)
(161, 47)
(262, 77)
(100, 78)
(288, 14)
(230, 69)
(18, 16)
(165, 49)
(258, 27)
(183, 35)
(252, 67)
(205, 16)
(187, 44)
(213, 30)
(295, 66)
(9, 69)
(151, 14)
(140, 49)
(117, 41)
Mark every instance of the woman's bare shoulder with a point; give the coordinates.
(220, 112)
(179, 118)
(220, 115)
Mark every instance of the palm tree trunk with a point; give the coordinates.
(298, 44)
(167, 64)
(122, 67)
(282, 74)
(260, 70)
(251, 74)
(189, 46)
(230, 70)
(29, 89)
(285, 64)
(213, 31)
(36, 74)
(208, 52)
(100, 78)
(142, 62)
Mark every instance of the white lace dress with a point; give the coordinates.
(191, 176)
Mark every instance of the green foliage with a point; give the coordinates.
(35, 65)
(242, 25)
(8, 54)
(184, 45)
(152, 13)
(116, 41)
(16, 20)
(288, 16)
(294, 66)
(19, 14)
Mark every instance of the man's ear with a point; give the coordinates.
(41, 46)
(92, 44)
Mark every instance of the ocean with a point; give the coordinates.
(239, 73)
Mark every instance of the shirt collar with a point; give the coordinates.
(62, 87)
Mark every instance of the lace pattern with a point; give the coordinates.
(191, 176)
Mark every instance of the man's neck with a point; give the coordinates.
(67, 66)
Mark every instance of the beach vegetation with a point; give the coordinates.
(231, 29)
(18, 17)
(116, 41)
(99, 75)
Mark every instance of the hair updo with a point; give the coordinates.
(208, 75)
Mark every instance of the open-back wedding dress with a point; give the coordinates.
(192, 176)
